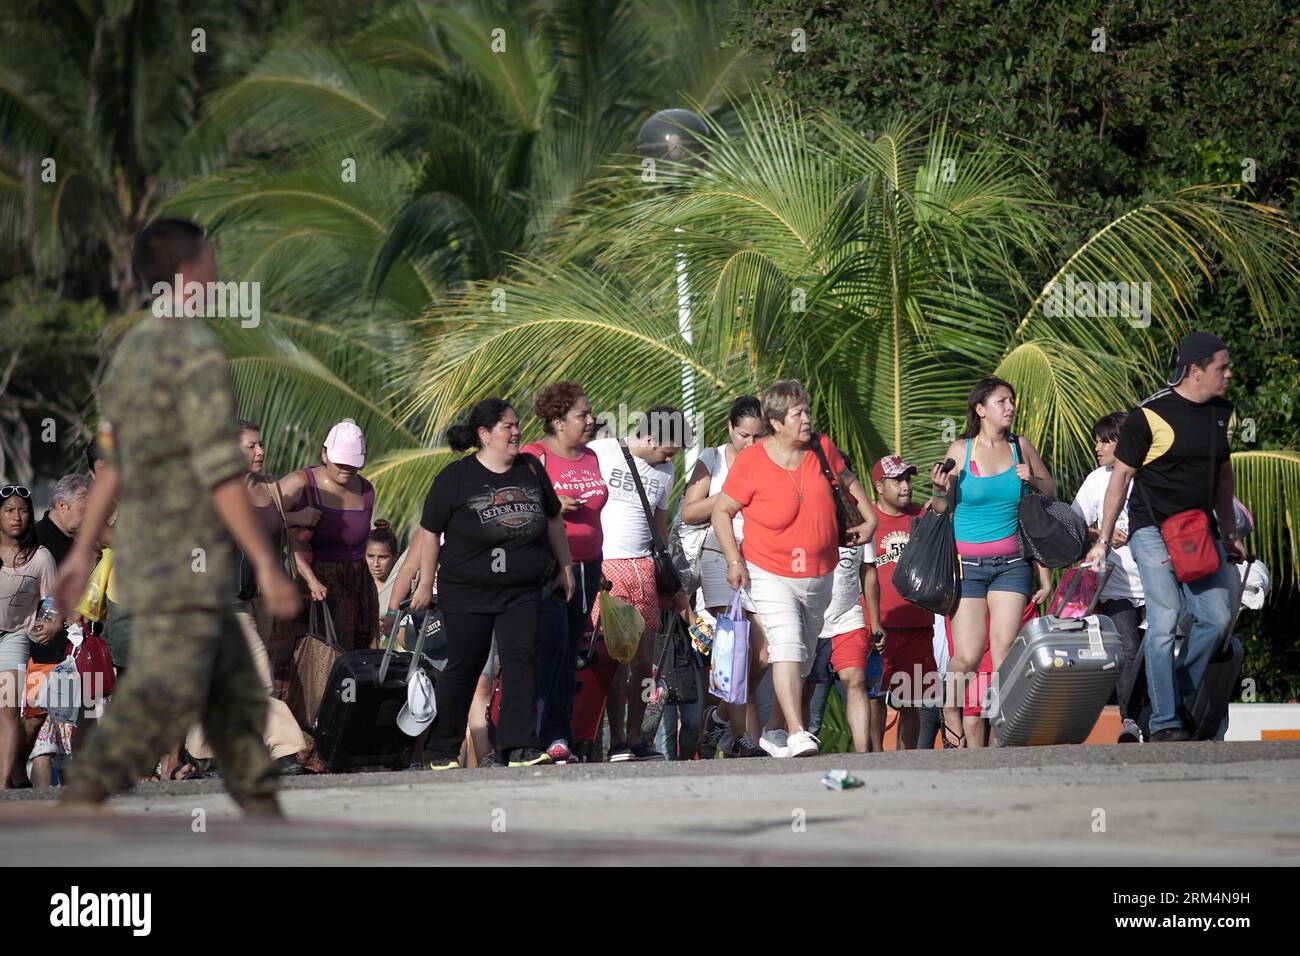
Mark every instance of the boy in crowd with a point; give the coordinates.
(1121, 598)
(909, 630)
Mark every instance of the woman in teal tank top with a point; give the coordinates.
(983, 491)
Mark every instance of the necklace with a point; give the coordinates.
(798, 486)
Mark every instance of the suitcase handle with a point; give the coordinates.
(1101, 585)
(402, 608)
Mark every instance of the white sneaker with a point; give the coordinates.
(803, 744)
(773, 743)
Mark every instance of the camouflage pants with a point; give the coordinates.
(186, 667)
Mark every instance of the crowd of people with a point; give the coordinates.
(516, 541)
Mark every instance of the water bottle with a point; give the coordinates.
(875, 668)
(48, 611)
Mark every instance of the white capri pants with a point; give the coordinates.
(791, 612)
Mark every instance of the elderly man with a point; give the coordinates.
(67, 509)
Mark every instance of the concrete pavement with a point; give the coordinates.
(1172, 804)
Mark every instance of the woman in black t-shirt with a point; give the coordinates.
(502, 538)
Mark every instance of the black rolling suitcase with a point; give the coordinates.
(1204, 710)
(357, 722)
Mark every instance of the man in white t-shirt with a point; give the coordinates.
(627, 563)
(1121, 598)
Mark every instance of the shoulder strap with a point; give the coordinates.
(530, 461)
(1015, 453)
(965, 465)
(313, 494)
(821, 460)
(640, 490)
(540, 454)
(277, 499)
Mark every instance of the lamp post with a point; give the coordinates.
(676, 136)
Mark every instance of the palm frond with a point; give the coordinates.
(1062, 391)
(1268, 483)
(1169, 248)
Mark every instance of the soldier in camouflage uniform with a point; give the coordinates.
(168, 425)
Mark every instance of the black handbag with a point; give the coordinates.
(667, 580)
(1049, 530)
(675, 664)
(928, 572)
(845, 507)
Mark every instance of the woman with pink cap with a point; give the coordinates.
(338, 541)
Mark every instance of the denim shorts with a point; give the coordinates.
(1011, 573)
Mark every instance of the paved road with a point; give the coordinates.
(1223, 804)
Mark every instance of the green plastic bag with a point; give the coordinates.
(834, 734)
(622, 626)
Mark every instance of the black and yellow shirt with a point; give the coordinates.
(1178, 447)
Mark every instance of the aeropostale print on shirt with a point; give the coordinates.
(580, 479)
(494, 550)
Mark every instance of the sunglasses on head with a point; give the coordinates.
(18, 490)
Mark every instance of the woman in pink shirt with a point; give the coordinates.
(575, 472)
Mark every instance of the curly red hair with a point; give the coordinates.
(555, 401)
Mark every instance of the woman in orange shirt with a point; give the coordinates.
(791, 547)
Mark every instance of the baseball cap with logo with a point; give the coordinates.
(1195, 347)
(421, 706)
(346, 445)
(891, 466)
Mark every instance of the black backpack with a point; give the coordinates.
(1049, 531)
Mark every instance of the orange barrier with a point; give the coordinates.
(1105, 731)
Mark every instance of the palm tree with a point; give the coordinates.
(859, 266)
(100, 120)
(466, 160)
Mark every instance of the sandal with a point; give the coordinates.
(194, 773)
(951, 741)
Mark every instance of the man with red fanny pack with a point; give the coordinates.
(1176, 443)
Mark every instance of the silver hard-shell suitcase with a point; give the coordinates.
(1057, 677)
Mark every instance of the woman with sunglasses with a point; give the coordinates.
(27, 574)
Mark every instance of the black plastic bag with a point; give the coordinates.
(928, 572)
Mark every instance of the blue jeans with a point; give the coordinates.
(1208, 602)
(680, 728)
(559, 631)
(821, 678)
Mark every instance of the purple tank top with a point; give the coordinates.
(340, 535)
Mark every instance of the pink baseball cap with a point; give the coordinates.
(346, 445)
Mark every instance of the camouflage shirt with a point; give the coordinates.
(168, 423)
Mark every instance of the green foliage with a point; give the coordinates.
(1182, 94)
(49, 362)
